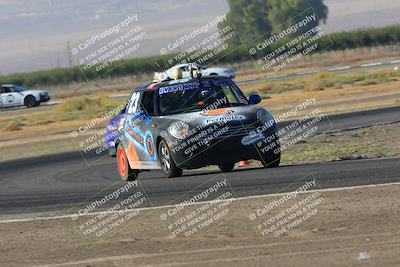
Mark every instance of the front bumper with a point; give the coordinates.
(234, 145)
(44, 98)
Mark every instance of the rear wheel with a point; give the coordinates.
(168, 165)
(226, 167)
(30, 102)
(127, 174)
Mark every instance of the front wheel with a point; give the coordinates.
(127, 174)
(226, 167)
(30, 101)
(168, 165)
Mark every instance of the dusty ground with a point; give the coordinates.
(357, 227)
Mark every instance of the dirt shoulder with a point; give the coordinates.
(350, 227)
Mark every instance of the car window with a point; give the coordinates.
(147, 102)
(192, 97)
(7, 90)
(239, 95)
(230, 94)
(18, 89)
(133, 103)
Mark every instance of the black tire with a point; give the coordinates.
(168, 165)
(30, 101)
(226, 167)
(127, 174)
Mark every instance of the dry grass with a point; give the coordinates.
(357, 56)
(332, 100)
(333, 92)
(323, 81)
(68, 116)
(12, 126)
(91, 87)
(246, 70)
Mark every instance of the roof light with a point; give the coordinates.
(176, 73)
(194, 70)
(160, 76)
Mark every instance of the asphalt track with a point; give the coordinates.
(57, 183)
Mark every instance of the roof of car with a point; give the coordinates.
(156, 85)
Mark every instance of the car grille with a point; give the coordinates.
(44, 97)
(238, 130)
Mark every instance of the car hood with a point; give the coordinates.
(33, 92)
(216, 69)
(232, 116)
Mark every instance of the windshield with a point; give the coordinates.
(18, 88)
(191, 97)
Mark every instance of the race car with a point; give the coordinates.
(184, 70)
(15, 95)
(193, 123)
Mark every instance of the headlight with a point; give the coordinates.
(265, 117)
(179, 129)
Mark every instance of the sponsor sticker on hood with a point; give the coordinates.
(216, 112)
(225, 119)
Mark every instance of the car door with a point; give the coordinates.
(10, 96)
(147, 124)
(138, 126)
(1, 97)
(18, 96)
(7, 96)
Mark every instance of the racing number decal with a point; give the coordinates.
(10, 98)
(133, 103)
(150, 147)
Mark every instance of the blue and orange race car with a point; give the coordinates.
(191, 123)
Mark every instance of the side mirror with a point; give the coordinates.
(254, 99)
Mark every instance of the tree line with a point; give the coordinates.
(250, 20)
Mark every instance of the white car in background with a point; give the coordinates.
(14, 95)
(184, 70)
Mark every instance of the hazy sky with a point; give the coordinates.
(36, 34)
